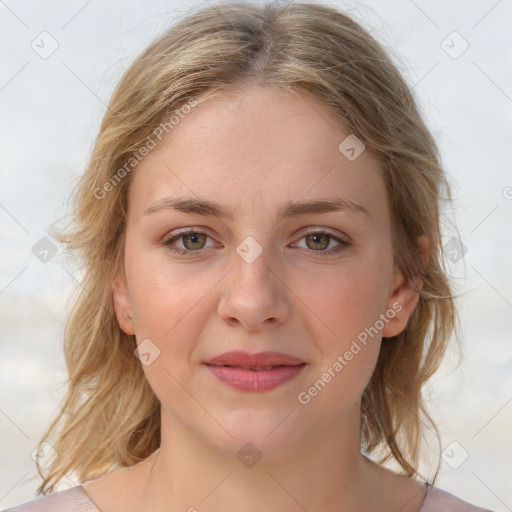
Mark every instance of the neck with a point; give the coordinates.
(326, 472)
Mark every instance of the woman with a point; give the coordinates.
(264, 295)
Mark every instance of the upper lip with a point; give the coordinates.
(255, 359)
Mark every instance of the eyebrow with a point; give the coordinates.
(290, 209)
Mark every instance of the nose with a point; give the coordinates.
(255, 295)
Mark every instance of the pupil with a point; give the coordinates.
(319, 235)
(194, 238)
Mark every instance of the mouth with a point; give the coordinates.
(254, 360)
(253, 368)
(255, 377)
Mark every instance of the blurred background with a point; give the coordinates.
(60, 63)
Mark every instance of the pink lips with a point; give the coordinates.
(259, 371)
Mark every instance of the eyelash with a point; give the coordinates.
(343, 244)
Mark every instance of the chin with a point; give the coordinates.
(267, 431)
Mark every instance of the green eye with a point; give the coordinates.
(316, 242)
(319, 241)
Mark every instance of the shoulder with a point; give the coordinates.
(436, 499)
(62, 501)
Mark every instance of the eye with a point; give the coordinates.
(318, 241)
(191, 240)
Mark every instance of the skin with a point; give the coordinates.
(252, 150)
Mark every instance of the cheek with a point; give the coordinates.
(170, 308)
(347, 302)
(345, 327)
(347, 308)
(167, 304)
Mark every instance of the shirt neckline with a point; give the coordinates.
(428, 486)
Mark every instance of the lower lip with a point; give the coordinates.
(249, 380)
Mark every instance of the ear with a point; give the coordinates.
(404, 295)
(122, 304)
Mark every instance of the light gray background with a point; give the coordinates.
(51, 110)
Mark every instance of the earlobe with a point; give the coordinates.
(406, 294)
(122, 304)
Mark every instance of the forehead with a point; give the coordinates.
(254, 147)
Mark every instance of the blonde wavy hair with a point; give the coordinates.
(110, 416)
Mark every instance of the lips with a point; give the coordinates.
(261, 371)
(256, 360)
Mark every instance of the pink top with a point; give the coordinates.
(77, 500)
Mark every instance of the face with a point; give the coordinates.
(262, 275)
